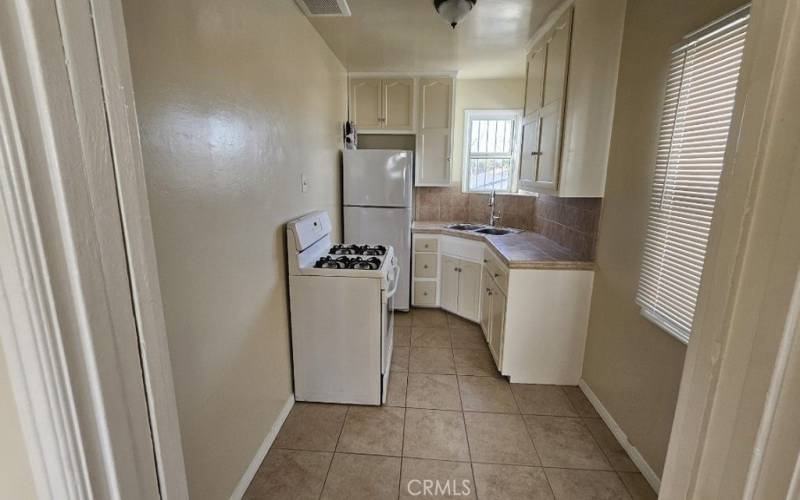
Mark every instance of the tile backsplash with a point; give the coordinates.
(570, 222)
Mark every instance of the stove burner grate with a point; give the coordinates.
(346, 262)
(357, 250)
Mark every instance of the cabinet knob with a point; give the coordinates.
(485, 261)
(536, 153)
(425, 293)
(496, 275)
(425, 266)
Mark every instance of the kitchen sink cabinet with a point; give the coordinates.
(469, 290)
(461, 287)
(534, 319)
(449, 299)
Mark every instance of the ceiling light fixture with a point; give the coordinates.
(454, 10)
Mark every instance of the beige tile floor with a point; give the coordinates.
(449, 417)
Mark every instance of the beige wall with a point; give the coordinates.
(16, 479)
(235, 100)
(481, 94)
(633, 366)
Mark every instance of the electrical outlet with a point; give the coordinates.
(303, 183)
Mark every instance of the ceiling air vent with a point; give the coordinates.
(324, 8)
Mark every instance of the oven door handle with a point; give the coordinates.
(395, 278)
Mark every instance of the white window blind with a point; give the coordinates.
(490, 145)
(696, 117)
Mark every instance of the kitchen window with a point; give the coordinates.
(696, 118)
(491, 139)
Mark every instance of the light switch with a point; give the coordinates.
(303, 183)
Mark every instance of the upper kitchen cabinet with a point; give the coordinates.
(366, 103)
(569, 100)
(398, 104)
(435, 132)
(544, 108)
(534, 78)
(382, 105)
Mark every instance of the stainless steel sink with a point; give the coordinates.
(464, 227)
(494, 231)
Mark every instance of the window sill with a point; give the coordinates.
(665, 326)
(500, 193)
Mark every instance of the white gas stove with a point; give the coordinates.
(341, 314)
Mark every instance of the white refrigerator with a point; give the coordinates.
(377, 198)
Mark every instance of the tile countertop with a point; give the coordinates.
(523, 250)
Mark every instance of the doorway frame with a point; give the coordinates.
(38, 149)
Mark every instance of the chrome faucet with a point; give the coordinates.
(492, 202)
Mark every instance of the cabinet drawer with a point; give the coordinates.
(425, 265)
(426, 245)
(497, 271)
(425, 293)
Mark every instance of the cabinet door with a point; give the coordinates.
(469, 289)
(434, 158)
(497, 325)
(530, 152)
(435, 132)
(534, 86)
(398, 104)
(558, 46)
(435, 96)
(449, 297)
(549, 157)
(486, 304)
(366, 103)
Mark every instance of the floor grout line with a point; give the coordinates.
(466, 436)
(624, 486)
(333, 455)
(402, 446)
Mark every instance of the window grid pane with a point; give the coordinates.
(696, 118)
(490, 154)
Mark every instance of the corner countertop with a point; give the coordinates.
(523, 250)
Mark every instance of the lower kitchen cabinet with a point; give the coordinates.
(534, 320)
(493, 306)
(424, 293)
(449, 298)
(461, 281)
(497, 324)
(486, 304)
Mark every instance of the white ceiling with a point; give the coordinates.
(409, 36)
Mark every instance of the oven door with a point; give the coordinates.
(387, 324)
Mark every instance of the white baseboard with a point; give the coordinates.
(250, 473)
(637, 457)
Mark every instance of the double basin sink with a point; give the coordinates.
(481, 229)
